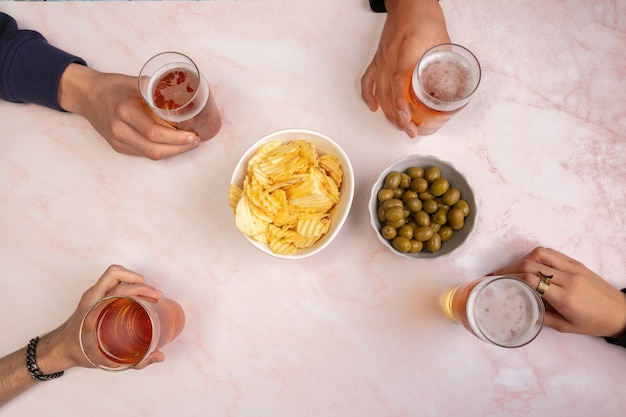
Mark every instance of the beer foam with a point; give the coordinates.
(504, 312)
(187, 111)
(444, 81)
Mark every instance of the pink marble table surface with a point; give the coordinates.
(354, 330)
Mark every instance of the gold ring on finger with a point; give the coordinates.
(543, 286)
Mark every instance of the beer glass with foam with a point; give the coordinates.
(501, 310)
(442, 83)
(176, 92)
(118, 332)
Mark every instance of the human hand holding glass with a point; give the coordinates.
(577, 299)
(410, 29)
(114, 107)
(47, 357)
(116, 280)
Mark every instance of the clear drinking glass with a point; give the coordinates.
(501, 310)
(175, 91)
(442, 83)
(118, 332)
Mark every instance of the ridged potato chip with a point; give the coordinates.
(288, 196)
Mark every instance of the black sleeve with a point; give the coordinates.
(378, 6)
(30, 68)
(620, 341)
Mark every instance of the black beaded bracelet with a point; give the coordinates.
(31, 363)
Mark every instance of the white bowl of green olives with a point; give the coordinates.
(422, 207)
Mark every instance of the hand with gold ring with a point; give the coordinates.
(577, 300)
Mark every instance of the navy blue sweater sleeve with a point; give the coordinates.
(30, 68)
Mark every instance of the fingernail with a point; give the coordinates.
(404, 116)
(191, 139)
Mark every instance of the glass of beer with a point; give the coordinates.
(118, 332)
(442, 83)
(501, 310)
(176, 92)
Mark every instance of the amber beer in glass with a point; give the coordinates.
(175, 91)
(118, 332)
(501, 310)
(442, 84)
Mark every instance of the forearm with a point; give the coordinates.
(15, 377)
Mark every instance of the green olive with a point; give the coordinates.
(464, 206)
(398, 223)
(409, 194)
(394, 214)
(394, 202)
(432, 173)
(388, 232)
(455, 216)
(416, 172)
(439, 187)
(451, 196)
(426, 195)
(406, 231)
(440, 216)
(414, 205)
(401, 244)
(405, 181)
(421, 218)
(385, 194)
(445, 233)
(434, 243)
(457, 226)
(392, 181)
(423, 233)
(381, 214)
(416, 246)
(419, 185)
(397, 193)
(430, 206)
(435, 226)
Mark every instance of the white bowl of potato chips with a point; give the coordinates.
(291, 193)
